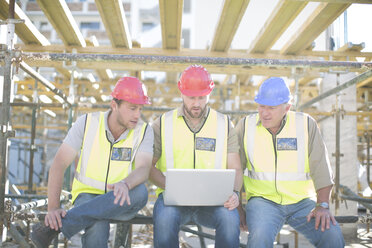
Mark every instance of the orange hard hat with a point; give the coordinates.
(132, 90)
(195, 81)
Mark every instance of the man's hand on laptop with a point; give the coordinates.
(232, 202)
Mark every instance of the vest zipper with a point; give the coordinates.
(276, 167)
(108, 167)
(194, 150)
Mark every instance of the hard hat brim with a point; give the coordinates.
(271, 102)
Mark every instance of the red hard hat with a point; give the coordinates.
(132, 90)
(195, 81)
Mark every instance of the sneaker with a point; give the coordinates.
(42, 235)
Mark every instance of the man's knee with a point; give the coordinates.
(96, 235)
(260, 237)
(334, 234)
(139, 196)
(229, 221)
(167, 216)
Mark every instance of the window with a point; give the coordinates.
(89, 25)
(147, 26)
(186, 6)
(186, 38)
(43, 26)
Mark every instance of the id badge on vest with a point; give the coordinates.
(205, 144)
(286, 144)
(121, 154)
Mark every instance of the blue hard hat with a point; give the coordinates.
(273, 92)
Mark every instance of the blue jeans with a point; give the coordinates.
(265, 219)
(168, 219)
(93, 213)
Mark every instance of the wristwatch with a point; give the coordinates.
(323, 205)
(237, 192)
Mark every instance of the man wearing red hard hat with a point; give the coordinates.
(196, 137)
(116, 150)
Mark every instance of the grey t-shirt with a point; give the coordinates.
(75, 135)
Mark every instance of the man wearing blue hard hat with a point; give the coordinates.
(286, 164)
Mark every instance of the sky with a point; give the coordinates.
(359, 25)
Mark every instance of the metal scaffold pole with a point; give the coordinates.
(220, 61)
(5, 130)
(337, 154)
(32, 142)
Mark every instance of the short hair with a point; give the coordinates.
(118, 101)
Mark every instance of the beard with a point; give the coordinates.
(189, 112)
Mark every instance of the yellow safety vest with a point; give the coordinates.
(278, 168)
(184, 149)
(102, 162)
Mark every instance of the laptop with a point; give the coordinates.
(198, 187)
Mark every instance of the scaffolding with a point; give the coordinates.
(12, 57)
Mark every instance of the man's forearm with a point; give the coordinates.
(142, 171)
(238, 179)
(233, 162)
(157, 177)
(136, 177)
(323, 194)
(64, 157)
(55, 181)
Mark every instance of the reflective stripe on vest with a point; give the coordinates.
(220, 140)
(270, 176)
(95, 125)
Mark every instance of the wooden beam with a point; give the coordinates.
(171, 22)
(318, 21)
(113, 17)
(365, 82)
(59, 15)
(26, 31)
(348, 47)
(63, 72)
(177, 67)
(103, 74)
(282, 16)
(305, 80)
(229, 21)
(340, 1)
(172, 77)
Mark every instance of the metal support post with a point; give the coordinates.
(123, 236)
(368, 140)
(5, 131)
(71, 97)
(337, 153)
(201, 238)
(32, 142)
(296, 94)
